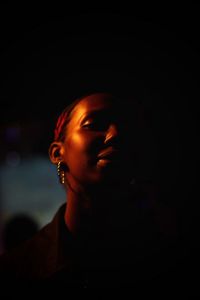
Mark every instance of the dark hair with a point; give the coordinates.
(63, 120)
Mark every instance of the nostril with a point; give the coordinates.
(113, 141)
(111, 134)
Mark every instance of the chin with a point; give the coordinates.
(108, 180)
(107, 177)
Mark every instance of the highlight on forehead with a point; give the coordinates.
(64, 117)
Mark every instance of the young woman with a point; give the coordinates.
(105, 234)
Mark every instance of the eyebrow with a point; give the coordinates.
(97, 113)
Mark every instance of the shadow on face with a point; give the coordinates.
(98, 144)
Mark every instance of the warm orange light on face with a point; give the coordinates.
(93, 128)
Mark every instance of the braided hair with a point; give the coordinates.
(63, 120)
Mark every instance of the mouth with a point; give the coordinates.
(107, 156)
(108, 153)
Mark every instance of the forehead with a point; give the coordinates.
(95, 103)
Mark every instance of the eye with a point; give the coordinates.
(96, 125)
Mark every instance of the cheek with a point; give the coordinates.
(81, 157)
(80, 150)
(74, 148)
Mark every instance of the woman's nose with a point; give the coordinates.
(111, 134)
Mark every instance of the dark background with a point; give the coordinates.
(46, 61)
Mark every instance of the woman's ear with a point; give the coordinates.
(55, 152)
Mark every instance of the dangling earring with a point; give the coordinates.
(61, 173)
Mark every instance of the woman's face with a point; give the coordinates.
(96, 148)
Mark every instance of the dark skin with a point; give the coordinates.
(96, 156)
(110, 230)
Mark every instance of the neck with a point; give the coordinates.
(89, 212)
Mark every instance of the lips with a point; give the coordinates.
(108, 154)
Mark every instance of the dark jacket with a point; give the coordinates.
(136, 257)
